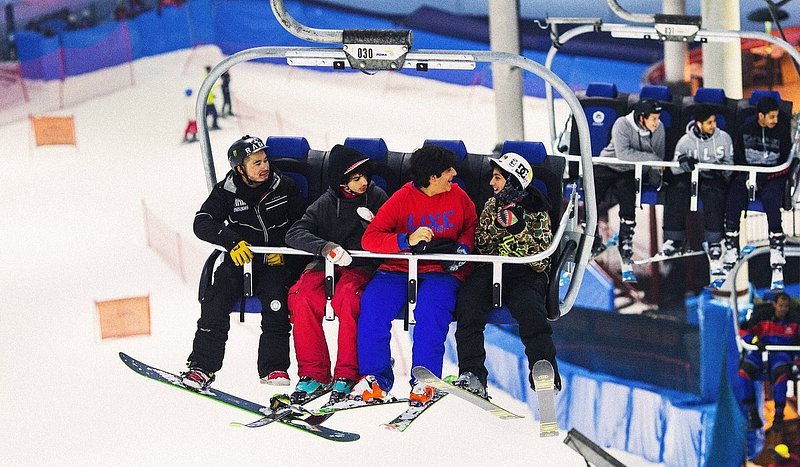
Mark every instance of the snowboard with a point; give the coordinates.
(174, 380)
(544, 383)
(424, 375)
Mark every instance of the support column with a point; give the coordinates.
(507, 81)
(722, 61)
(674, 52)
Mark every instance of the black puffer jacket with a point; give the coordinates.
(261, 216)
(333, 218)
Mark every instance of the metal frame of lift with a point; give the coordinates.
(370, 50)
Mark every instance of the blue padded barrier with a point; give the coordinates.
(661, 425)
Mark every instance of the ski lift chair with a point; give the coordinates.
(386, 164)
(724, 108)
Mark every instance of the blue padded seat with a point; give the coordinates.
(376, 150)
(746, 108)
(290, 155)
(670, 115)
(715, 98)
(608, 90)
(602, 105)
(466, 177)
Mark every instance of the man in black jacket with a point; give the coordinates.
(765, 141)
(252, 206)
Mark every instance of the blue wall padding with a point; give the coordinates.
(236, 25)
(661, 425)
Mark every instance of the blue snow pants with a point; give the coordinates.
(383, 298)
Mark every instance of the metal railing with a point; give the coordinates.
(457, 59)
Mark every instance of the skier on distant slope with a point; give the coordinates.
(514, 222)
(253, 205)
(330, 227)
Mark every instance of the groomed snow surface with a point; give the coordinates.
(73, 233)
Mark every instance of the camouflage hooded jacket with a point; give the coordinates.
(493, 239)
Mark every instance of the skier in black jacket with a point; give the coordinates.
(253, 205)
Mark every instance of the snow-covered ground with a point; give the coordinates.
(73, 233)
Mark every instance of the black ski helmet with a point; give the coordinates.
(645, 107)
(242, 148)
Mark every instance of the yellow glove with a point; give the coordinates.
(275, 259)
(241, 254)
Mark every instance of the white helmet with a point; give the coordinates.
(516, 165)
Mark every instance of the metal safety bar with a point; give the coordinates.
(645, 32)
(497, 261)
(789, 251)
(583, 253)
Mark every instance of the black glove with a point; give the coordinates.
(453, 266)
(437, 245)
(687, 163)
(510, 218)
(762, 346)
(654, 178)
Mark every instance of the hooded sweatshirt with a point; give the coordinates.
(631, 142)
(757, 145)
(535, 237)
(333, 217)
(716, 148)
(451, 215)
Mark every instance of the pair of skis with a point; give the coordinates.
(280, 412)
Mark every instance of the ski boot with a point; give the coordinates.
(340, 389)
(469, 382)
(731, 256)
(276, 378)
(672, 247)
(421, 394)
(197, 379)
(369, 391)
(307, 389)
(776, 259)
(626, 249)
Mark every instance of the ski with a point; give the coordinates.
(721, 278)
(350, 404)
(424, 375)
(544, 383)
(174, 380)
(661, 257)
(281, 408)
(777, 277)
(627, 272)
(402, 421)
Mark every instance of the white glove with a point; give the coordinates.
(365, 213)
(336, 254)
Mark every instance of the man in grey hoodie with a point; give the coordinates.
(636, 137)
(705, 143)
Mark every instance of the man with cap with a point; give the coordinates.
(514, 222)
(253, 206)
(636, 137)
(330, 227)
